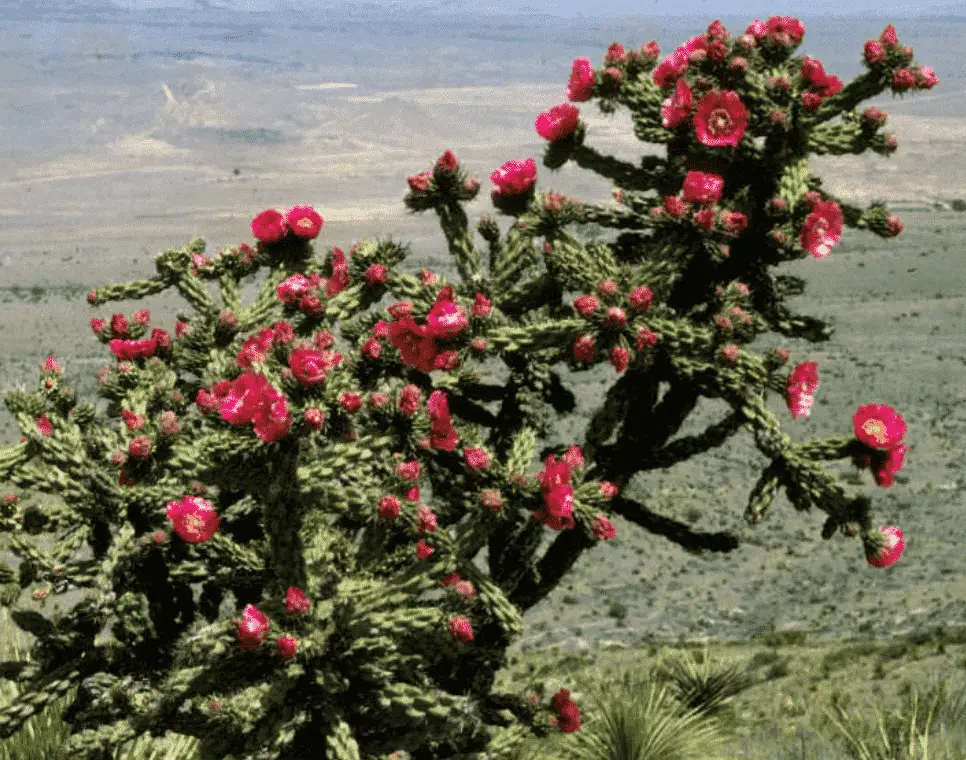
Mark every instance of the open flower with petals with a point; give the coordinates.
(677, 109)
(822, 229)
(194, 519)
(251, 627)
(243, 399)
(720, 119)
(559, 122)
(889, 554)
(879, 426)
(514, 177)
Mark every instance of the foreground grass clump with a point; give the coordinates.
(779, 698)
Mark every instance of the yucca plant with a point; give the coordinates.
(44, 734)
(700, 687)
(632, 716)
(902, 734)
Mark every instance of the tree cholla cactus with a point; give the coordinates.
(287, 500)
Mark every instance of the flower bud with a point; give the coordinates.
(645, 338)
(376, 275)
(409, 471)
(620, 357)
(777, 116)
(389, 507)
(423, 550)
(640, 298)
(873, 53)
(371, 349)
(447, 163)
(350, 402)
(314, 418)
(553, 202)
(465, 589)
(675, 206)
(811, 101)
(491, 500)
(477, 459)
(586, 305)
(611, 75)
(608, 490)
(378, 400)
(738, 63)
(607, 288)
(735, 222)
(169, 423)
(615, 53)
(717, 51)
(585, 348)
(119, 326)
(311, 306)
(615, 318)
(427, 520)
(874, 116)
(603, 528)
(482, 306)
(323, 340)
(286, 646)
(903, 79)
(140, 447)
(926, 78)
(704, 218)
(780, 83)
(419, 183)
(410, 399)
(889, 37)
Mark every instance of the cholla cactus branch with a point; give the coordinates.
(329, 470)
(455, 227)
(621, 173)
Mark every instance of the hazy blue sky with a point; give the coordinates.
(753, 8)
(707, 7)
